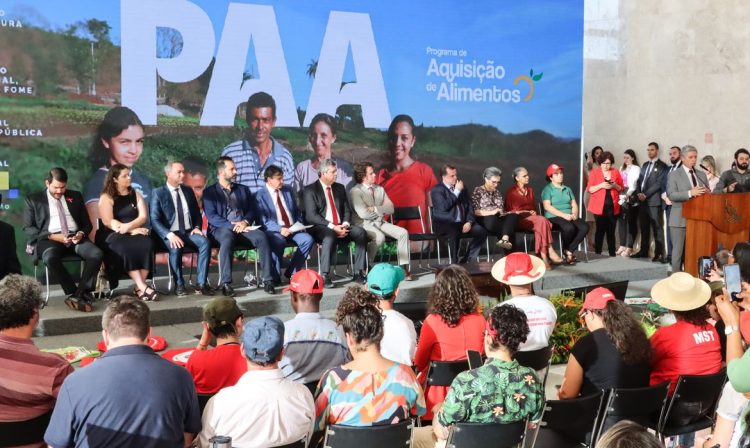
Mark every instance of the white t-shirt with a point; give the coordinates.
(399, 338)
(541, 316)
(731, 407)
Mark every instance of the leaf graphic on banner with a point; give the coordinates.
(531, 73)
(537, 77)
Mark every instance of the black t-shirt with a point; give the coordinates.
(603, 367)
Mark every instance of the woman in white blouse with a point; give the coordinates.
(628, 219)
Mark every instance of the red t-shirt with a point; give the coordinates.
(439, 342)
(409, 188)
(684, 349)
(215, 369)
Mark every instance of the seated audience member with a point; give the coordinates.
(730, 419)
(264, 409)
(56, 225)
(489, 210)
(130, 396)
(176, 218)
(736, 179)
(371, 203)
(29, 379)
(627, 434)
(327, 210)
(453, 215)
(215, 369)
(312, 344)
(519, 271)
(561, 208)
(520, 199)
(399, 342)
(229, 208)
(500, 391)
(123, 233)
(370, 390)
(453, 325)
(615, 353)
(277, 212)
(9, 262)
(322, 136)
(688, 347)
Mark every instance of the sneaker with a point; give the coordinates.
(204, 290)
(227, 290)
(180, 291)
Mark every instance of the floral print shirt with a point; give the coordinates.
(497, 392)
(483, 199)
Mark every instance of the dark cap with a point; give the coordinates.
(221, 311)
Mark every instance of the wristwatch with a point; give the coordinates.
(729, 329)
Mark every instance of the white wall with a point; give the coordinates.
(671, 71)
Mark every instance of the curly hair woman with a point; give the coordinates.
(500, 391)
(616, 352)
(453, 325)
(370, 390)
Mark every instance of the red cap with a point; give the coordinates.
(306, 281)
(597, 299)
(552, 169)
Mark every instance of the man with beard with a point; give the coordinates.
(737, 179)
(258, 150)
(674, 159)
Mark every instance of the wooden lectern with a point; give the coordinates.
(713, 219)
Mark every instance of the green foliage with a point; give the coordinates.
(568, 328)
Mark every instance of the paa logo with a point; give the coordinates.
(245, 23)
(530, 80)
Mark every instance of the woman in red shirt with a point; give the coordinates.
(453, 325)
(605, 185)
(519, 198)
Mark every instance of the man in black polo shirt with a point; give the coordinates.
(130, 397)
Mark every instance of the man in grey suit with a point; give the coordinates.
(371, 203)
(683, 184)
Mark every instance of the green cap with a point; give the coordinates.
(384, 278)
(221, 311)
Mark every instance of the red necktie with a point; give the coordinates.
(280, 205)
(334, 213)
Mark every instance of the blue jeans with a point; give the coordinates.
(277, 242)
(200, 244)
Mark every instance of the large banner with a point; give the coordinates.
(487, 82)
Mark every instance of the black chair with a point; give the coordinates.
(569, 423)
(699, 395)
(442, 373)
(539, 359)
(203, 401)
(413, 213)
(641, 405)
(477, 435)
(299, 444)
(37, 258)
(311, 386)
(461, 237)
(25, 432)
(396, 435)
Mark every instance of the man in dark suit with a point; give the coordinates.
(327, 209)
(229, 208)
(9, 263)
(277, 212)
(648, 191)
(453, 214)
(56, 224)
(176, 218)
(684, 183)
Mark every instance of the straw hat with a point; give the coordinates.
(518, 269)
(681, 292)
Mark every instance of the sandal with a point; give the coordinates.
(78, 304)
(504, 244)
(146, 297)
(570, 258)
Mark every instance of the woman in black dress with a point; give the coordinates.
(122, 233)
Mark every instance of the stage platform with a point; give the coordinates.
(57, 319)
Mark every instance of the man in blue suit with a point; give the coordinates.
(453, 215)
(176, 218)
(277, 211)
(229, 209)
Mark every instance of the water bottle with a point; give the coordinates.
(220, 442)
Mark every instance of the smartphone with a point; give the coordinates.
(733, 281)
(705, 264)
(475, 359)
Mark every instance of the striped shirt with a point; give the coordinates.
(247, 161)
(29, 379)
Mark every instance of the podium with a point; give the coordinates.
(713, 219)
